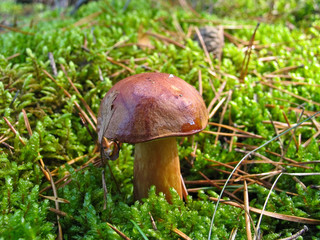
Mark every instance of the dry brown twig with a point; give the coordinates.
(200, 81)
(217, 96)
(204, 47)
(110, 59)
(212, 182)
(285, 217)
(246, 60)
(121, 234)
(222, 114)
(292, 133)
(154, 225)
(92, 115)
(266, 83)
(74, 102)
(165, 39)
(105, 191)
(213, 112)
(229, 127)
(296, 235)
(246, 211)
(55, 194)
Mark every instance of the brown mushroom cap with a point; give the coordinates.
(148, 106)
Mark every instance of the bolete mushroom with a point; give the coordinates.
(150, 110)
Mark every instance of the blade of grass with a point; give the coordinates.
(139, 229)
(257, 233)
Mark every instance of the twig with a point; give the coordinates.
(121, 234)
(286, 69)
(74, 102)
(246, 211)
(233, 233)
(154, 226)
(222, 115)
(186, 7)
(58, 212)
(72, 161)
(204, 47)
(181, 234)
(14, 131)
(228, 134)
(87, 19)
(217, 186)
(55, 199)
(216, 108)
(117, 44)
(27, 123)
(292, 134)
(110, 59)
(13, 56)
(16, 30)
(200, 81)
(54, 190)
(105, 191)
(298, 234)
(166, 39)
(290, 93)
(285, 217)
(216, 95)
(317, 125)
(53, 64)
(92, 115)
(235, 129)
(184, 189)
(246, 60)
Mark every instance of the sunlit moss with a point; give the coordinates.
(59, 135)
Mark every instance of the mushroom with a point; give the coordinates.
(150, 110)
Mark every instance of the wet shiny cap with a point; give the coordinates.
(148, 106)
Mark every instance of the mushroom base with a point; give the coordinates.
(157, 163)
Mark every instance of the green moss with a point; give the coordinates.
(59, 135)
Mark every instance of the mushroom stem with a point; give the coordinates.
(157, 163)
